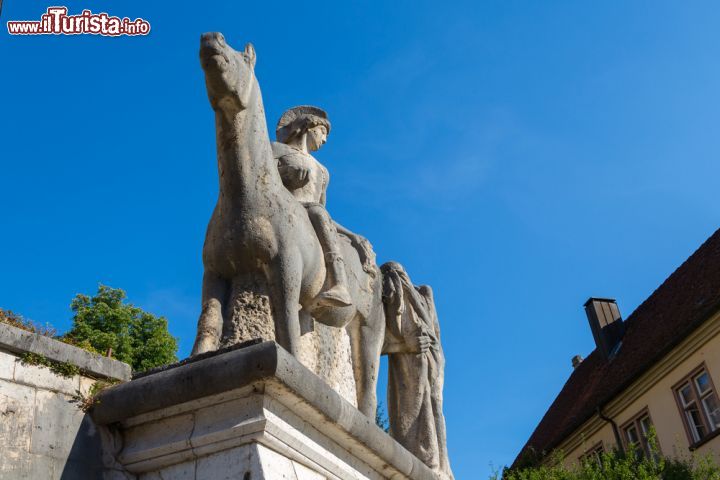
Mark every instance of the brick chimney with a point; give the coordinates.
(606, 324)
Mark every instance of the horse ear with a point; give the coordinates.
(250, 54)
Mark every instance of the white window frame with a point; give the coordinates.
(698, 401)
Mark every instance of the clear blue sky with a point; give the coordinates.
(519, 156)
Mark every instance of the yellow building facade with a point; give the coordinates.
(656, 372)
(656, 396)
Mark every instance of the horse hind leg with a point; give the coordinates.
(210, 323)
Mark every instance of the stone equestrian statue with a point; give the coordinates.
(273, 257)
(262, 242)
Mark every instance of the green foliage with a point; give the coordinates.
(620, 466)
(106, 323)
(64, 369)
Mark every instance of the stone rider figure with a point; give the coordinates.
(299, 131)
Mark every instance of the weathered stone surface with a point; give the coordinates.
(274, 465)
(236, 417)
(183, 471)
(16, 415)
(45, 436)
(159, 438)
(7, 366)
(213, 375)
(16, 340)
(54, 424)
(43, 377)
(241, 462)
(325, 350)
(250, 314)
(304, 473)
(252, 408)
(19, 465)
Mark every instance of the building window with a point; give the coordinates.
(699, 405)
(594, 454)
(637, 433)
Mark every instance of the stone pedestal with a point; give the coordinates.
(250, 413)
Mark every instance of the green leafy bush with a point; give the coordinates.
(105, 323)
(620, 466)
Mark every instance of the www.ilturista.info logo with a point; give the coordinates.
(56, 21)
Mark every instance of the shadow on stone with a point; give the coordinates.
(85, 458)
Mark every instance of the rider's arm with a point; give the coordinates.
(344, 230)
(361, 244)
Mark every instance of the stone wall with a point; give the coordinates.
(43, 433)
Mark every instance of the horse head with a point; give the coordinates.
(229, 74)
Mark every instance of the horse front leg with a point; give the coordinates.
(210, 323)
(285, 277)
(366, 339)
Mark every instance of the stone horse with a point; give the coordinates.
(260, 240)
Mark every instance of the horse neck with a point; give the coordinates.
(244, 152)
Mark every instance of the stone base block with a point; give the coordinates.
(252, 413)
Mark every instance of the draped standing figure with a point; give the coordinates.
(416, 367)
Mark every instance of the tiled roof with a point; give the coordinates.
(680, 305)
